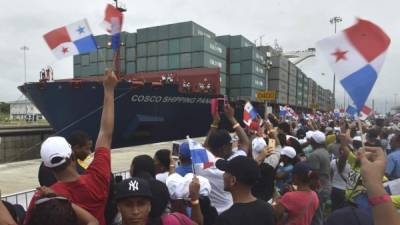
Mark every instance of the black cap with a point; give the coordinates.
(133, 187)
(243, 168)
(302, 169)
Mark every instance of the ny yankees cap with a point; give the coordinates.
(132, 187)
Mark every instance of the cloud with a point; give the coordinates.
(296, 24)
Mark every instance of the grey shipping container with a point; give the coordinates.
(281, 98)
(292, 100)
(93, 57)
(252, 67)
(141, 65)
(235, 68)
(77, 59)
(208, 45)
(102, 40)
(130, 67)
(247, 81)
(85, 60)
(163, 62)
(142, 50)
(173, 62)
(278, 85)
(279, 74)
(293, 80)
(252, 53)
(223, 91)
(237, 41)
(188, 29)
(152, 49)
(130, 54)
(203, 59)
(185, 45)
(130, 40)
(281, 62)
(222, 79)
(235, 55)
(152, 64)
(292, 69)
(292, 90)
(185, 60)
(163, 47)
(173, 46)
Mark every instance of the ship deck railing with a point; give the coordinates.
(23, 198)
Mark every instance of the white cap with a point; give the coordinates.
(357, 138)
(288, 151)
(178, 186)
(318, 137)
(258, 144)
(54, 147)
(309, 134)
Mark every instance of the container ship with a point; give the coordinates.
(169, 74)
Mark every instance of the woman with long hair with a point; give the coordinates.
(340, 170)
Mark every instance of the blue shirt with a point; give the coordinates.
(184, 169)
(393, 165)
(280, 183)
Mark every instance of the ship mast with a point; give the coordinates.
(117, 63)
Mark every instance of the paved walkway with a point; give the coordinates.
(22, 176)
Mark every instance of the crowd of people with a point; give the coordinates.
(326, 171)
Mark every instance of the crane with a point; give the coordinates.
(300, 56)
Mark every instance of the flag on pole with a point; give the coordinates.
(249, 114)
(365, 112)
(282, 110)
(356, 55)
(198, 153)
(73, 39)
(113, 20)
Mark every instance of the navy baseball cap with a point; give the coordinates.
(133, 187)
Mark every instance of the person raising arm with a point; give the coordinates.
(373, 162)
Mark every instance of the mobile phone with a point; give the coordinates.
(271, 143)
(221, 105)
(175, 149)
(217, 105)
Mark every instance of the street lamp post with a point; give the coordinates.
(335, 20)
(24, 48)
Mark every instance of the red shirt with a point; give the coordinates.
(91, 190)
(300, 206)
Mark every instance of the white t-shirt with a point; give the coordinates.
(220, 199)
(337, 180)
(162, 177)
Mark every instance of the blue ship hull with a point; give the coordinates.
(144, 114)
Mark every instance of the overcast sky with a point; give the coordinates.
(296, 24)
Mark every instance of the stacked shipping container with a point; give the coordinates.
(188, 45)
(246, 67)
(278, 79)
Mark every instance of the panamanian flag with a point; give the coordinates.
(356, 55)
(198, 153)
(73, 39)
(249, 114)
(113, 20)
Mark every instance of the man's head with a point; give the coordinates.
(51, 209)
(142, 165)
(219, 143)
(133, 197)
(162, 159)
(317, 139)
(285, 128)
(395, 141)
(81, 144)
(56, 154)
(240, 173)
(372, 137)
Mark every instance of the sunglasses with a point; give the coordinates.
(44, 200)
